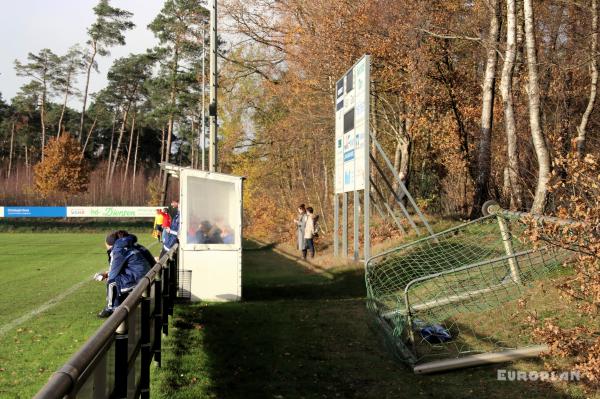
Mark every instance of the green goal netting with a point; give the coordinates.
(456, 293)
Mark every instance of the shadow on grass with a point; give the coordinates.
(299, 334)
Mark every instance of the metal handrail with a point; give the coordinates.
(66, 379)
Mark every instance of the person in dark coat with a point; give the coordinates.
(129, 262)
(172, 232)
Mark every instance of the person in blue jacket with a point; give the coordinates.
(129, 262)
(172, 232)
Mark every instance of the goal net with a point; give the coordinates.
(456, 293)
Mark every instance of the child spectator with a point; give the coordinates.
(128, 263)
(158, 221)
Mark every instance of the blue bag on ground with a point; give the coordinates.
(434, 334)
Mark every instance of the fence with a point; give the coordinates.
(115, 362)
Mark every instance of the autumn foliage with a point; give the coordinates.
(578, 190)
(62, 171)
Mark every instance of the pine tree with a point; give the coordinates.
(127, 79)
(41, 68)
(179, 27)
(107, 31)
(69, 67)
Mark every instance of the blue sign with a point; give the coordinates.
(349, 156)
(35, 212)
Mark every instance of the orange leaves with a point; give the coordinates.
(62, 171)
(577, 197)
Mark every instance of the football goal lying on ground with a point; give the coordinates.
(449, 300)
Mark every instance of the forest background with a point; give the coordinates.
(473, 100)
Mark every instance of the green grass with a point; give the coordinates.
(26, 225)
(297, 334)
(36, 268)
(302, 335)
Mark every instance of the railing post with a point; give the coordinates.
(173, 285)
(121, 361)
(146, 346)
(166, 280)
(114, 333)
(158, 317)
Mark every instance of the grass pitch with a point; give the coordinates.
(302, 334)
(298, 333)
(35, 269)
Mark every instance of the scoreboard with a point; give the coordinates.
(352, 128)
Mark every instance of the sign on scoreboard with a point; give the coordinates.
(352, 128)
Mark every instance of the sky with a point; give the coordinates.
(31, 25)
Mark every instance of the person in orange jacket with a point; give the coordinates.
(166, 222)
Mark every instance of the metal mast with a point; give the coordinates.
(213, 88)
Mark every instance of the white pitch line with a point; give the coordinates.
(52, 302)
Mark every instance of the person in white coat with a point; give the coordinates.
(300, 227)
(309, 233)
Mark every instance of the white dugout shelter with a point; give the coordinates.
(210, 232)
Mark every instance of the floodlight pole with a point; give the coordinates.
(213, 88)
(367, 188)
(203, 133)
(336, 225)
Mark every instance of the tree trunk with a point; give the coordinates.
(533, 92)
(86, 90)
(162, 144)
(326, 179)
(162, 150)
(463, 135)
(130, 147)
(87, 139)
(26, 163)
(582, 128)
(110, 150)
(404, 170)
(402, 166)
(315, 183)
(119, 141)
(135, 158)
(43, 120)
(374, 130)
(484, 158)
(64, 107)
(555, 30)
(520, 36)
(10, 151)
(171, 123)
(506, 83)
(301, 178)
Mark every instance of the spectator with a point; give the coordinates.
(129, 262)
(172, 231)
(166, 222)
(300, 227)
(227, 235)
(202, 233)
(193, 227)
(309, 233)
(214, 235)
(158, 221)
